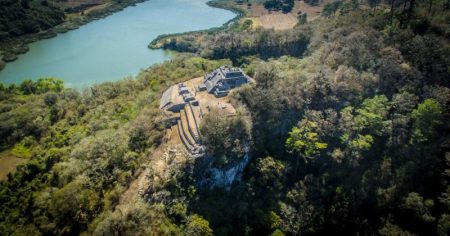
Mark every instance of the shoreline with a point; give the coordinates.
(156, 43)
(12, 48)
(60, 29)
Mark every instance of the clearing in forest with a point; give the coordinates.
(280, 21)
(8, 163)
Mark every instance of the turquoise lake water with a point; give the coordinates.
(112, 48)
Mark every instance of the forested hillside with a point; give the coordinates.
(84, 150)
(353, 136)
(348, 121)
(18, 17)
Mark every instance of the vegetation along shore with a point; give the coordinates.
(54, 16)
(161, 40)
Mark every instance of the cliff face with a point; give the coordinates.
(209, 176)
(226, 177)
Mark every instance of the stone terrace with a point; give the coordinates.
(186, 116)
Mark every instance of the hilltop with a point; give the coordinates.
(345, 131)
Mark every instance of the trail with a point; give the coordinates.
(157, 170)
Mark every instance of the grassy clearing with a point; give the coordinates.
(278, 21)
(8, 163)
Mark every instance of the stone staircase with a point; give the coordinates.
(188, 130)
(144, 182)
(192, 121)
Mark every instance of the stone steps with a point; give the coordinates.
(144, 182)
(186, 143)
(188, 130)
(185, 128)
(193, 123)
(197, 112)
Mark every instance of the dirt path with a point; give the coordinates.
(137, 186)
(98, 7)
(157, 170)
(132, 193)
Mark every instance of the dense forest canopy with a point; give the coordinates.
(18, 17)
(347, 125)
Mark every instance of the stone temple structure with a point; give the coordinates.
(176, 97)
(183, 105)
(222, 80)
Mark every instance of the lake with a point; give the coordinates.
(112, 48)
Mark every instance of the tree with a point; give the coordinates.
(225, 138)
(28, 87)
(197, 226)
(392, 11)
(330, 8)
(303, 19)
(44, 85)
(270, 173)
(50, 99)
(74, 203)
(372, 116)
(133, 219)
(426, 117)
(304, 141)
(374, 3)
(283, 5)
(419, 207)
(390, 229)
(443, 227)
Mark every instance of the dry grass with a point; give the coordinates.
(98, 7)
(261, 17)
(8, 163)
(257, 10)
(278, 21)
